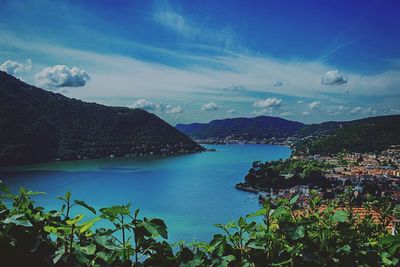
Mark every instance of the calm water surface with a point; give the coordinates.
(190, 192)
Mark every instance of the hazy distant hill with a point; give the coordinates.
(364, 135)
(38, 125)
(258, 127)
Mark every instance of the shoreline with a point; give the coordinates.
(249, 189)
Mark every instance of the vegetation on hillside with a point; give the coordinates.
(284, 236)
(247, 128)
(365, 135)
(38, 125)
(286, 173)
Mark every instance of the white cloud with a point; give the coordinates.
(268, 103)
(174, 110)
(333, 77)
(235, 88)
(305, 113)
(210, 106)
(231, 111)
(171, 19)
(145, 104)
(314, 105)
(14, 68)
(62, 76)
(156, 107)
(363, 111)
(300, 102)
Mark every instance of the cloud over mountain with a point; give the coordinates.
(314, 105)
(174, 110)
(145, 104)
(62, 76)
(268, 103)
(14, 68)
(210, 106)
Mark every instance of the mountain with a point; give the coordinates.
(364, 135)
(37, 125)
(258, 127)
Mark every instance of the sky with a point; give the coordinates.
(196, 61)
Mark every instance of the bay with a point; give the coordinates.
(190, 193)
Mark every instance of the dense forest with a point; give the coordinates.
(366, 135)
(247, 128)
(324, 234)
(363, 135)
(286, 173)
(38, 125)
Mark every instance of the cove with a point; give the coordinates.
(190, 193)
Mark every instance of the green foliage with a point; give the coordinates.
(365, 135)
(281, 235)
(286, 173)
(243, 128)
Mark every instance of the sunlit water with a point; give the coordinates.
(190, 192)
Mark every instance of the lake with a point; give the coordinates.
(190, 193)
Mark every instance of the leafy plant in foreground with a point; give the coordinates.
(279, 234)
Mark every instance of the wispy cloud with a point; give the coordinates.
(168, 16)
(314, 105)
(234, 77)
(210, 106)
(268, 103)
(15, 68)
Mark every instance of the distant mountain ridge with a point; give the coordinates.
(37, 125)
(362, 135)
(257, 127)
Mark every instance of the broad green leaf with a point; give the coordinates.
(298, 233)
(85, 205)
(156, 227)
(107, 242)
(294, 199)
(75, 220)
(17, 220)
(58, 254)
(340, 216)
(279, 212)
(111, 213)
(85, 226)
(81, 257)
(261, 212)
(89, 250)
(241, 222)
(344, 249)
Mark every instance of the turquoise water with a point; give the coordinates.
(190, 192)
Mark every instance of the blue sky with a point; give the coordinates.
(194, 61)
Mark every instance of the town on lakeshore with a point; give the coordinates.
(361, 174)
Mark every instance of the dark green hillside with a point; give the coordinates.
(38, 125)
(258, 127)
(365, 135)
